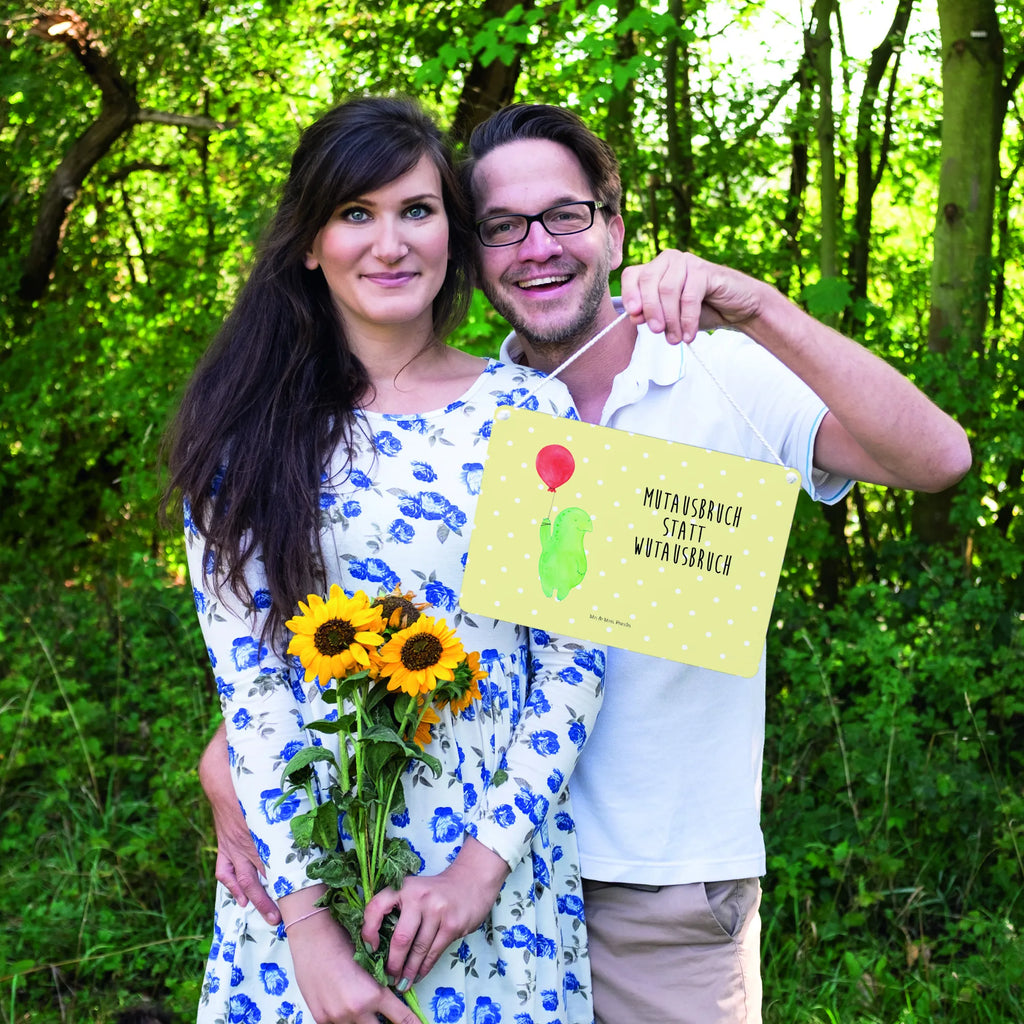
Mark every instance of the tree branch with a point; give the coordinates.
(119, 112)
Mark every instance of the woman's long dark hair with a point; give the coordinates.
(275, 394)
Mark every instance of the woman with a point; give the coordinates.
(330, 436)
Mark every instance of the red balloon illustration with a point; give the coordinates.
(555, 465)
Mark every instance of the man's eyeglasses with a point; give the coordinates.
(564, 219)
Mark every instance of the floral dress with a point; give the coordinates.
(402, 515)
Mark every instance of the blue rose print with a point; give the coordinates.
(247, 652)
(274, 979)
(227, 952)
(504, 815)
(242, 1010)
(564, 822)
(578, 734)
(261, 600)
(374, 570)
(555, 780)
(433, 505)
(454, 517)
(446, 825)
(327, 500)
(590, 660)
(282, 887)
(241, 719)
(486, 1011)
(261, 848)
(484, 433)
(541, 874)
(387, 444)
(533, 805)
(549, 999)
(571, 904)
(441, 596)
(351, 509)
(573, 676)
(274, 811)
(546, 948)
(545, 742)
(401, 531)
(448, 1005)
(519, 937)
(538, 702)
(572, 983)
(237, 977)
(289, 750)
(472, 476)
(199, 598)
(414, 424)
(424, 472)
(357, 478)
(218, 936)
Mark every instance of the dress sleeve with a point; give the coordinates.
(563, 698)
(264, 708)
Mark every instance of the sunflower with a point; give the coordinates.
(332, 636)
(417, 657)
(472, 691)
(423, 731)
(399, 610)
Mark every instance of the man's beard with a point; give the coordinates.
(568, 336)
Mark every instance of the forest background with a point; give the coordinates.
(865, 157)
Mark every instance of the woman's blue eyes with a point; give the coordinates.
(357, 215)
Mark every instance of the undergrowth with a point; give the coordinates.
(893, 810)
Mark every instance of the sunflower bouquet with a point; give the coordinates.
(390, 669)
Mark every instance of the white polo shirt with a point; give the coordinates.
(668, 788)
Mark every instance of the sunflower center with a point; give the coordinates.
(391, 603)
(334, 636)
(421, 651)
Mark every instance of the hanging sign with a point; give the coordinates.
(630, 541)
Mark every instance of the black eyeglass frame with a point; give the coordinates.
(593, 205)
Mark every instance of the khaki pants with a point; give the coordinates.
(675, 954)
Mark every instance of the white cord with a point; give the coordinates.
(692, 351)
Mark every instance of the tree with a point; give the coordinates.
(974, 101)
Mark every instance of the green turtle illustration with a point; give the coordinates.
(563, 559)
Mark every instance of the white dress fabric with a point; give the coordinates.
(402, 515)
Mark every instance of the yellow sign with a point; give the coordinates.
(626, 540)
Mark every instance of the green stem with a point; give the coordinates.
(414, 1004)
(360, 833)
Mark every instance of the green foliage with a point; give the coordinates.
(892, 764)
(105, 703)
(891, 815)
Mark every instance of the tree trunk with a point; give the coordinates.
(679, 131)
(973, 106)
(486, 89)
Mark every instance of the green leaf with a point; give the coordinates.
(325, 828)
(302, 826)
(338, 869)
(298, 769)
(827, 298)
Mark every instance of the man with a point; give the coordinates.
(667, 790)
